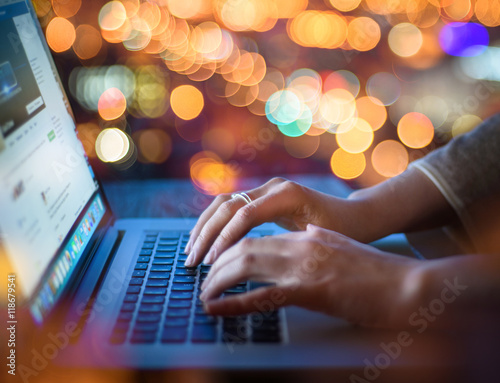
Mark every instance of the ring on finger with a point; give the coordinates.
(242, 195)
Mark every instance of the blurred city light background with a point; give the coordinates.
(216, 90)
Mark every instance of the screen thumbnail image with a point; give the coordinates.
(20, 97)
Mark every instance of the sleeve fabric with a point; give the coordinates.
(467, 169)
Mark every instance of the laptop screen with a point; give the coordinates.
(48, 196)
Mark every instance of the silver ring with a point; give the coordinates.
(243, 195)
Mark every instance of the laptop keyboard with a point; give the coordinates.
(162, 302)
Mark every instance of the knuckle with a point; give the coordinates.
(277, 180)
(246, 213)
(225, 208)
(246, 242)
(249, 260)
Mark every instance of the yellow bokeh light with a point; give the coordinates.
(357, 139)
(465, 124)
(347, 165)
(112, 16)
(371, 110)
(318, 29)
(389, 158)
(345, 5)
(488, 12)
(112, 145)
(187, 102)
(405, 39)
(363, 33)
(415, 130)
(112, 104)
(60, 34)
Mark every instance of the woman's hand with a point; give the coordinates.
(319, 270)
(286, 203)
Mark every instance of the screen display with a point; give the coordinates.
(47, 185)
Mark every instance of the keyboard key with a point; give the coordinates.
(146, 252)
(133, 289)
(139, 274)
(235, 290)
(125, 317)
(155, 291)
(166, 248)
(182, 258)
(176, 313)
(176, 322)
(266, 337)
(184, 279)
(131, 298)
(136, 282)
(161, 268)
(169, 242)
(182, 287)
(179, 304)
(147, 246)
(162, 255)
(200, 310)
(159, 275)
(153, 299)
(143, 337)
(141, 266)
(168, 236)
(157, 283)
(151, 308)
(143, 259)
(203, 333)
(146, 327)
(181, 295)
(204, 319)
(185, 272)
(147, 317)
(174, 335)
(127, 307)
(163, 261)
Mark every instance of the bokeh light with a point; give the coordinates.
(465, 124)
(405, 39)
(464, 39)
(187, 102)
(363, 34)
(88, 42)
(389, 158)
(415, 130)
(384, 87)
(357, 139)
(112, 104)
(60, 34)
(155, 145)
(347, 165)
(112, 145)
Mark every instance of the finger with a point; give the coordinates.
(209, 211)
(262, 210)
(271, 298)
(327, 236)
(247, 247)
(260, 268)
(213, 226)
(206, 220)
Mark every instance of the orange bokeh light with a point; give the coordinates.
(389, 158)
(60, 34)
(187, 102)
(347, 165)
(112, 104)
(415, 130)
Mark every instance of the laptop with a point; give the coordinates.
(118, 290)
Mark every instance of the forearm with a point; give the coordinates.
(454, 290)
(405, 203)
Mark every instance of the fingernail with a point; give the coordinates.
(210, 256)
(190, 259)
(204, 285)
(203, 296)
(188, 247)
